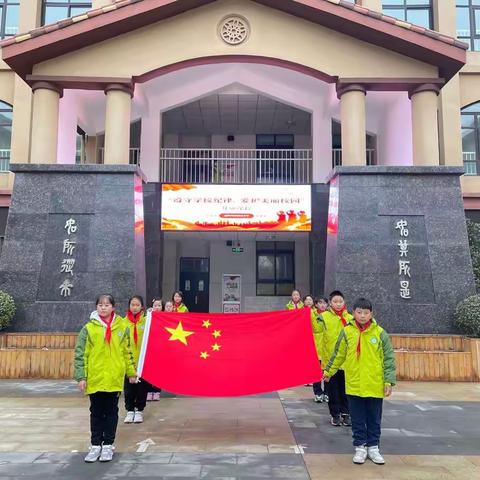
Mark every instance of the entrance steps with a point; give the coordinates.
(451, 358)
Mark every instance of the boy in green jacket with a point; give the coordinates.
(331, 323)
(366, 354)
(102, 359)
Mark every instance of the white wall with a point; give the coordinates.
(223, 260)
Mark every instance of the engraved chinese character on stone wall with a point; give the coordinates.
(68, 264)
(404, 266)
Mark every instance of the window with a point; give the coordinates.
(275, 268)
(468, 23)
(5, 136)
(81, 143)
(418, 12)
(275, 164)
(471, 138)
(55, 10)
(9, 14)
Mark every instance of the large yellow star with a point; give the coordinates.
(179, 333)
(206, 323)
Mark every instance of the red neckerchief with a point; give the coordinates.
(361, 328)
(295, 304)
(134, 318)
(339, 313)
(108, 322)
(319, 311)
(176, 306)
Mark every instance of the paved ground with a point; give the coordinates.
(431, 431)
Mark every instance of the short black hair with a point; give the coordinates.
(363, 303)
(336, 293)
(139, 298)
(305, 297)
(319, 299)
(177, 292)
(106, 296)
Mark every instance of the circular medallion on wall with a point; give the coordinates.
(234, 29)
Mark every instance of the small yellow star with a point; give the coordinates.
(216, 347)
(206, 323)
(217, 333)
(204, 355)
(179, 333)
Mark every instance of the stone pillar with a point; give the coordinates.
(353, 117)
(117, 124)
(46, 100)
(425, 125)
(372, 4)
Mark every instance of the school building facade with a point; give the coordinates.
(236, 149)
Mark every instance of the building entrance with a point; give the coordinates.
(194, 283)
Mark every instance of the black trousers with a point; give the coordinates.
(317, 388)
(337, 398)
(136, 395)
(103, 417)
(366, 416)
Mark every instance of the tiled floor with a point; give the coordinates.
(431, 430)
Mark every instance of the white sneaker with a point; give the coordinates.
(360, 455)
(138, 417)
(374, 455)
(93, 453)
(318, 399)
(149, 396)
(107, 453)
(129, 418)
(156, 396)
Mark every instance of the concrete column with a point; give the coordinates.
(150, 144)
(46, 100)
(353, 118)
(371, 4)
(321, 144)
(425, 125)
(117, 124)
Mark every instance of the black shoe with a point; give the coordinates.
(336, 421)
(346, 420)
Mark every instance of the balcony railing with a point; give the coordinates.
(212, 165)
(134, 156)
(4, 160)
(337, 157)
(470, 163)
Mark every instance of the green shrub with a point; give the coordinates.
(473, 230)
(7, 309)
(467, 316)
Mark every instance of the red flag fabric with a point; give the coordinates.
(229, 354)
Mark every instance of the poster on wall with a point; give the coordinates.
(231, 292)
(273, 208)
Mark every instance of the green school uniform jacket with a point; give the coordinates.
(366, 374)
(330, 327)
(291, 306)
(141, 324)
(317, 332)
(182, 308)
(103, 365)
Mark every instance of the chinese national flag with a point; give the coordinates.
(229, 354)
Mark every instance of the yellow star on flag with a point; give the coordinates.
(217, 333)
(216, 347)
(204, 355)
(179, 333)
(206, 323)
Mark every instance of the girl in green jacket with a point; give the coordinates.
(178, 305)
(295, 302)
(102, 359)
(136, 393)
